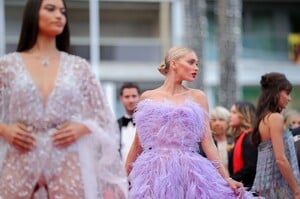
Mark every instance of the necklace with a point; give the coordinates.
(45, 60)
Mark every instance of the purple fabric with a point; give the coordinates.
(170, 166)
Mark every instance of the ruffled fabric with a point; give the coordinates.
(165, 122)
(170, 166)
(269, 181)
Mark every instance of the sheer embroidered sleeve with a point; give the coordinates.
(4, 88)
(6, 74)
(97, 116)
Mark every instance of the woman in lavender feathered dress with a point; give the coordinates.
(164, 162)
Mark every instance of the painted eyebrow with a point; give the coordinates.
(194, 61)
(52, 5)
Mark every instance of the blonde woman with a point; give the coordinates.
(171, 120)
(292, 119)
(219, 123)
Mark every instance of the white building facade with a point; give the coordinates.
(125, 40)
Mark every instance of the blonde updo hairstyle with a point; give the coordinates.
(174, 53)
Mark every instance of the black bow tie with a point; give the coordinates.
(125, 121)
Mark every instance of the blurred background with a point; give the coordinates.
(125, 40)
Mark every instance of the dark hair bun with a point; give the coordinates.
(272, 80)
(266, 81)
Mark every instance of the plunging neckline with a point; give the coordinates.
(44, 101)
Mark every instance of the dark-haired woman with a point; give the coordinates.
(277, 174)
(243, 157)
(56, 128)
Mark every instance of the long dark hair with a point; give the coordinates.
(30, 28)
(271, 85)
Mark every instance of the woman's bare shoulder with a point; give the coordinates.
(197, 93)
(271, 122)
(149, 94)
(275, 117)
(200, 97)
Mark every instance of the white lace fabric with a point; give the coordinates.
(90, 168)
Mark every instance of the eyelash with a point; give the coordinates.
(63, 11)
(51, 9)
(193, 62)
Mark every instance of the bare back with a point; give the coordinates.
(264, 129)
(270, 125)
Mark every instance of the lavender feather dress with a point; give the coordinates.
(170, 166)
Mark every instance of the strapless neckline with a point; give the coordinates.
(169, 103)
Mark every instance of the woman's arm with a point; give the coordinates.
(276, 127)
(17, 134)
(209, 146)
(2, 129)
(212, 154)
(135, 150)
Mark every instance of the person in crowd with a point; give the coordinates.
(129, 96)
(243, 157)
(292, 122)
(296, 135)
(171, 120)
(219, 123)
(277, 173)
(57, 132)
(292, 119)
(295, 132)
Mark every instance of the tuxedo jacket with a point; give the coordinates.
(123, 122)
(296, 134)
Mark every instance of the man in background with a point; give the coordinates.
(129, 96)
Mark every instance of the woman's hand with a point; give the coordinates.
(128, 168)
(297, 194)
(19, 137)
(68, 133)
(235, 185)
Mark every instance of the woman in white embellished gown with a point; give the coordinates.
(57, 132)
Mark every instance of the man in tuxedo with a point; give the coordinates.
(129, 96)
